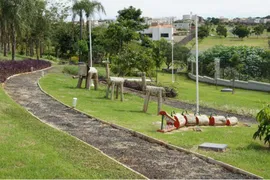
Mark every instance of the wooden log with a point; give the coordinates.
(107, 71)
(96, 81)
(159, 101)
(143, 81)
(79, 84)
(191, 119)
(202, 120)
(122, 91)
(181, 120)
(89, 80)
(82, 70)
(231, 121)
(112, 90)
(146, 101)
(117, 90)
(108, 90)
(217, 121)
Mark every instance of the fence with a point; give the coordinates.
(251, 85)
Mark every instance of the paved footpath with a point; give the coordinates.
(152, 160)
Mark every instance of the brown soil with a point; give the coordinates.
(150, 159)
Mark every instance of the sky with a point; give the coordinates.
(176, 8)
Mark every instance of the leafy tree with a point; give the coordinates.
(158, 55)
(268, 29)
(215, 21)
(235, 66)
(256, 61)
(133, 56)
(125, 30)
(241, 31)
(263, 118)
(258, 30)
(131, 18)
(221, 30)
(203, 32)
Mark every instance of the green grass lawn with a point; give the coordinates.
(30, 149)
(243, 151)
(244, 102)
(209, 42)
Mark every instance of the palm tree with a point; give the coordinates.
(77, 9)
(90, 8)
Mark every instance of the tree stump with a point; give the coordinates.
(157, 91)
(115, 83)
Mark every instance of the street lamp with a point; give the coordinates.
(197, 66)
(90, 40)
(172, 58)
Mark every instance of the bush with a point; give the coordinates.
(72, 70)
(255, 60)
(263, 118)
(74, 60)
(9, 68)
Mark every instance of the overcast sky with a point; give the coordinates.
(205, 8)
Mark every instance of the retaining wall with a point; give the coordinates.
(251, 85)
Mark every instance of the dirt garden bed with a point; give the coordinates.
(152, 160)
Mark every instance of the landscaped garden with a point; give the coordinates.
(244, 152)
(63, 142)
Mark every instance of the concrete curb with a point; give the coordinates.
(169, 146)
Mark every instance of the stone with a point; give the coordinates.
(226, 90)
(213, 146)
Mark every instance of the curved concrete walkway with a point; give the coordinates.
(152, 160)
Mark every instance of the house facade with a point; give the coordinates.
(159, 31)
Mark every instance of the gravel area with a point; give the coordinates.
(152, 160)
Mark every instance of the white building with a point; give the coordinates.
(182, 25)
(189, 17)
(160, 31)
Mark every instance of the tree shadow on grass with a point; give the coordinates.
(256, 146)
(131, 111)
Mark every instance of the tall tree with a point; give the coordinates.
(258, 30)
(241, 31)
(221, 30)
(90, 8)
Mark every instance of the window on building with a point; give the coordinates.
(149, 35)
(165, 35)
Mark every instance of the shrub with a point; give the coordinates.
(74, 60)
(9, 68)
(72, 70)
(255, 60)
(263, 118)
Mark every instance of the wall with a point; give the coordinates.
(251, 85)
(157, 31)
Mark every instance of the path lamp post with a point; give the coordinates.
(172, 58)
(197, 66)
(90, 40)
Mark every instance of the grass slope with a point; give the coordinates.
(245, 102)
(232, 41)
(243, 151)
(30, 149)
